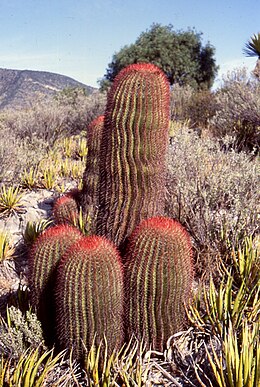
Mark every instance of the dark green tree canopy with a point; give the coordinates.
(180, 55)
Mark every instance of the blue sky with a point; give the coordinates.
(77, 38)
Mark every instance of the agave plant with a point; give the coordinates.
(6, 249)
(10, 200)
(252, 49)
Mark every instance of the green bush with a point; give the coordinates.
(19, 332)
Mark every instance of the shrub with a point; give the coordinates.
(194, 106)
(28, 134)
(16, 156)
(238, 111)
(212, 193)
(179, 101)
(20, 332)
(201, 108)
(46, 121)
(80, 109)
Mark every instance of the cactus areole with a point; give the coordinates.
(133, 151)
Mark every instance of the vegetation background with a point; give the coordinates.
(212, 189)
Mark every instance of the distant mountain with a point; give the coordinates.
(20, 88)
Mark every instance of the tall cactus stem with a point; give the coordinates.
(133, 151)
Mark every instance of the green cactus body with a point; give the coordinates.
(43, 259)
(89, 296)
(158, 280)
(65, 209)
(133, 151)
(89, 195)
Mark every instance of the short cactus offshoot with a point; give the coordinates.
(133, 151)
(158, 280)
(65, 209)
(89, 296)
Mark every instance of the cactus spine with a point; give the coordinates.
(132, 151)
(158, 279)
(44, 257)
(89, 295)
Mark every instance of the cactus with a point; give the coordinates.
(89, 296)
(43, 259)
(65, 209)
(158, 280)
(133, 150)
(89, 196)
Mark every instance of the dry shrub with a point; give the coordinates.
(180, 99)
(27, 135)
(214, 194)
(80, 109)
(195, 106)
(66, 114)
(17, 155)
(238, 112)
(201, 108)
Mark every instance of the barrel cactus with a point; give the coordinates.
(65, 209)
(90, 194)
(43, 259)
(89, 296)
(132, 151)
(158, 280)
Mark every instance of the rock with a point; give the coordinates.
(37, 205)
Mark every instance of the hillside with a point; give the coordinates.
(18, 88)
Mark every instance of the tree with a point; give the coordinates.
(180, 55)
(252, 48)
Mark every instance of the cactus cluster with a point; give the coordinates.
(94, 294)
